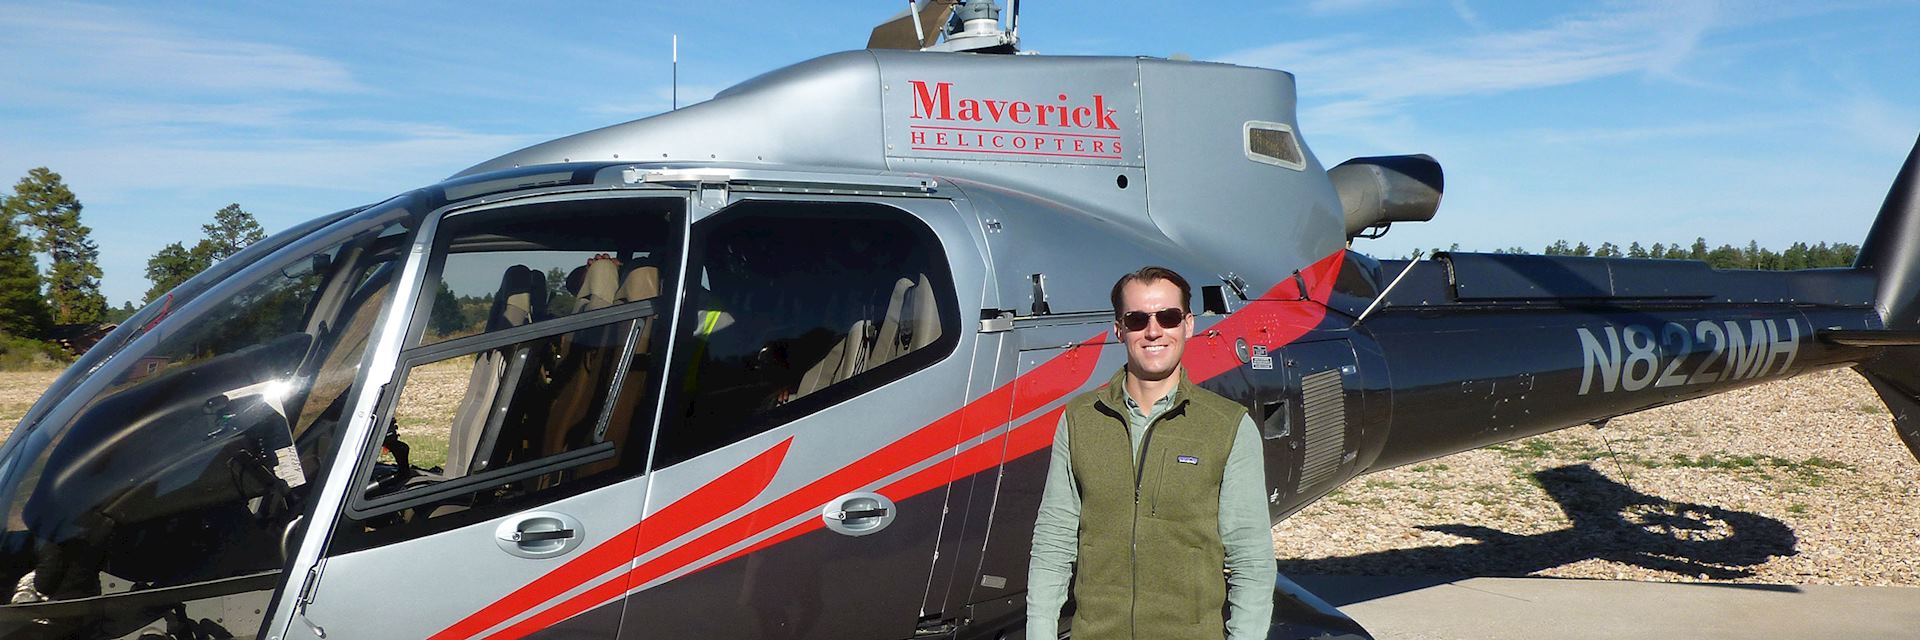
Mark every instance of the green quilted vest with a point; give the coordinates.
(1151, 564)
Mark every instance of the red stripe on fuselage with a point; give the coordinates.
(980, 458)
(1047, 383)
(728, 492)
(927, 442)
(1271, 320)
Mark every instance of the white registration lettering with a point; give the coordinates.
(1744, 355)
(1603, 361)
(1672, 333)
(1634, 357)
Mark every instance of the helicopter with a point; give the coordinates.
(786, 363)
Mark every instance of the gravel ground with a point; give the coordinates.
(18, 390)
(1793, 482)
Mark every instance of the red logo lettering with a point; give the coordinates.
(923, 102)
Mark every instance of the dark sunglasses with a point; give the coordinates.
(1137, 320)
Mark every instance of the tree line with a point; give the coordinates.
(1799, 255)
(40, 220)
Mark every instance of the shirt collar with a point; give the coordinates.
(1159, 406)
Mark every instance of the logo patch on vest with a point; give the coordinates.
(1187, 460)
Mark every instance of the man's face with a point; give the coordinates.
(1153, 352)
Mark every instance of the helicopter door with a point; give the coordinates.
(517, 426)
(1055, 362)
(800, 469)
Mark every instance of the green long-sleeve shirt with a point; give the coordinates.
(1245, 531)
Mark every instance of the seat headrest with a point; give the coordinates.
(601, 283)
(641, 283)
(924, 312)
(522, 298)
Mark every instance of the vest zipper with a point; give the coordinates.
(1133, 556)
(1133, 541)
(1146, 444)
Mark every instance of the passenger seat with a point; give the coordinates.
(845, 359)
(912, 321)
(583, 373)
(521, 294)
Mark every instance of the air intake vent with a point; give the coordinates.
(1273, 143)
(1323, 396)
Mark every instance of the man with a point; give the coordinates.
(1156, 488)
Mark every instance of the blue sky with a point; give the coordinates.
(1607, 121)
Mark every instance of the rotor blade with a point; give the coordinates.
(897, 32)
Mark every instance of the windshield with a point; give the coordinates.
(137, 324)
(173, 472)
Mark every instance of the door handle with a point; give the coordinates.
(858, 514)
(538, 534)
(542, 536)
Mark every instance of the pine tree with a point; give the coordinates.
(23, 312)
(1845, 254)
(1795, 257)
(42, 202)
(232, 229)
(121, 313)
(447, 318)
(1726, 257)
(170, 266)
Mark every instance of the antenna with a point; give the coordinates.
(676, 72)
(919, 33)
(1013, 24)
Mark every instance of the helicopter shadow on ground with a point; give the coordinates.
(1611, 521)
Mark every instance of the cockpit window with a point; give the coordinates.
(185, 458)
(535, 372)
(504, 269)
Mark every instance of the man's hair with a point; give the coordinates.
(1149, 274)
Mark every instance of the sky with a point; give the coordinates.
(1585, 121)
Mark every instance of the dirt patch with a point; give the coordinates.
(1797, 482)
(18, 391)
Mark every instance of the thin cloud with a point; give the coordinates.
(397, 162)
(83, 45)
(1468, 15)
(657, 100)
(1650, 39)
(1334, 7)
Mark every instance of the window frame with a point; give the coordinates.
(358, 507)
(941, 278)
(437, 258)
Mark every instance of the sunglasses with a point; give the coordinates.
(1168, 319)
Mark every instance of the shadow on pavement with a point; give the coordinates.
(1610, 521)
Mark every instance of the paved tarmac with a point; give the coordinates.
(1403, 608)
